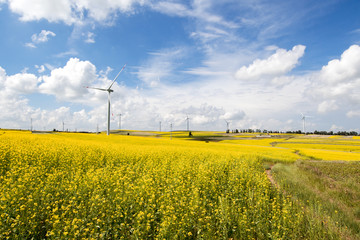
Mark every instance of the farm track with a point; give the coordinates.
(270, 177)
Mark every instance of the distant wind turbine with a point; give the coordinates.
(171, 125)
(109, 90)
(119, 121)
(187, 122)
(227, 126)
(303, 117)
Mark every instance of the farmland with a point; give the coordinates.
(209, 186)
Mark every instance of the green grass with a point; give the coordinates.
(328, 190)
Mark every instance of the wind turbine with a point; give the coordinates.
(227, 126)
(119, 121)
(109, 90)
(171, 125)
(187, 122)
(303, 117)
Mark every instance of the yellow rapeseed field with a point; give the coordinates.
(87, 186)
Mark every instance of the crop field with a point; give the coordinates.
(148, 186)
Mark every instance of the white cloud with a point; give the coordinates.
(22, 83)
(90, 37)
(40, 68)
(172, 8)
(34, 10)
(351, 114)
(14, 110)
(327, 106)
(2, 77)
(336, 128)
(17, 84)
(30, 45)
(159, 65)
(338, 82)
(42, 37)
(14, 106)
(68, 83)
(71, 52)
(238, 115)
(100, 10)
(344, 69)
(70, 11)
(277, 64)
(1, 2)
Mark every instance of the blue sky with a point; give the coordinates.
(255, 63)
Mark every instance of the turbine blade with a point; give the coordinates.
(102, 89)
(116, 77)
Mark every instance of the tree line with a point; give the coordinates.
(343, 133)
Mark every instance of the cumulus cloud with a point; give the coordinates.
(68, 83)
(14, 106)
(338, 82)
(53, 11)
(278, 64)
(342, 70)
(42, 37)
(14, 110)
(20, 83)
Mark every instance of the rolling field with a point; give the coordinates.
(209, 186)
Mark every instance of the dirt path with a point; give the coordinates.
(270, 177)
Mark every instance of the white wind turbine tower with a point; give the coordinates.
(187, 122)
(109, 90)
